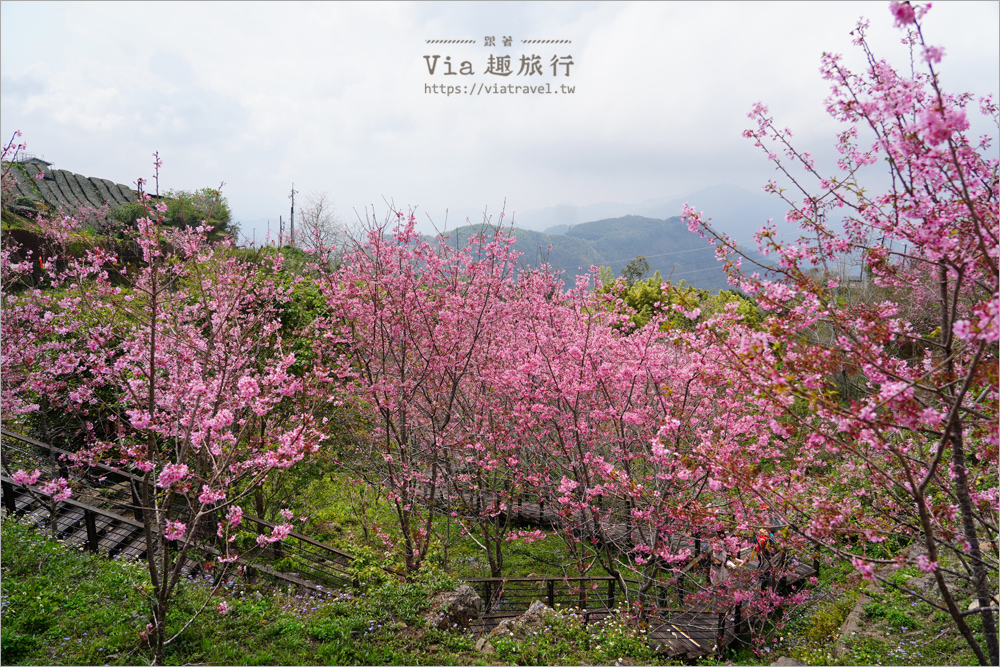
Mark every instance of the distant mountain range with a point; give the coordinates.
(574, 238)
(733, 210)
(667, 245)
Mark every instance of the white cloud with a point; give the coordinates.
(331, 95)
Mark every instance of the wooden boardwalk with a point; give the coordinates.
(103, 517)
(680, 623)
(691, 634)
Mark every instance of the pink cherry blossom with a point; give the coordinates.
(896, 418)
(235, 515)
(174, 530)
(203, 405)
(903, 12)
(924, 564)
(57, 488)
(29, 479)
(209, 496)
(171, 474)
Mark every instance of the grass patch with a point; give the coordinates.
(64, 606)
(61, 606)
(563, 638)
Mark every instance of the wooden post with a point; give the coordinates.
(703, 561)
(738, 620)
(487, 595)
(8, 498)
(92, 542)
(291, 235)
(552, 592)
(611, 594)
(720, 638)
(136, 503)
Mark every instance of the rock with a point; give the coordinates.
(484, 646)
(504, 628)
(536, 612)
(974, 605)
(533, 619)
(450, 608)
(785, 661)
(850, 626)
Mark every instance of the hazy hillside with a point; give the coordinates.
(734, 210)
(564, 253)
(667, 244)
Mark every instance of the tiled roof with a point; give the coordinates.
(61, 189)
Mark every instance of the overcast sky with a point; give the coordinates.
(333, 96)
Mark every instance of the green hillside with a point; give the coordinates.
(668, 245)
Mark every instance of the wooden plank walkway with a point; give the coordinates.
(690, 634)
(108, 496)
(100, 518)
(693, 629)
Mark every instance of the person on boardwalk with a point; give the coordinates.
(719, 571)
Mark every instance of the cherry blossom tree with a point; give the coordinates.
(481, 390)
(191, 343)
(911, 453)
(619, 427)
(411, 325)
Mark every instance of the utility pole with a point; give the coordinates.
(281, 231)
(291, 234)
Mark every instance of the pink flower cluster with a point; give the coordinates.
(278, 533)
(234, 517)
(27, 479)
(174, 530)
(209, 496)
(171, 474)
(57, 488)
(903, 11)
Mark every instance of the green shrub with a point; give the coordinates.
(893, 616)
(824, 625)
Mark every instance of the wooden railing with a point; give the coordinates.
(679, 623)
(118, 492)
